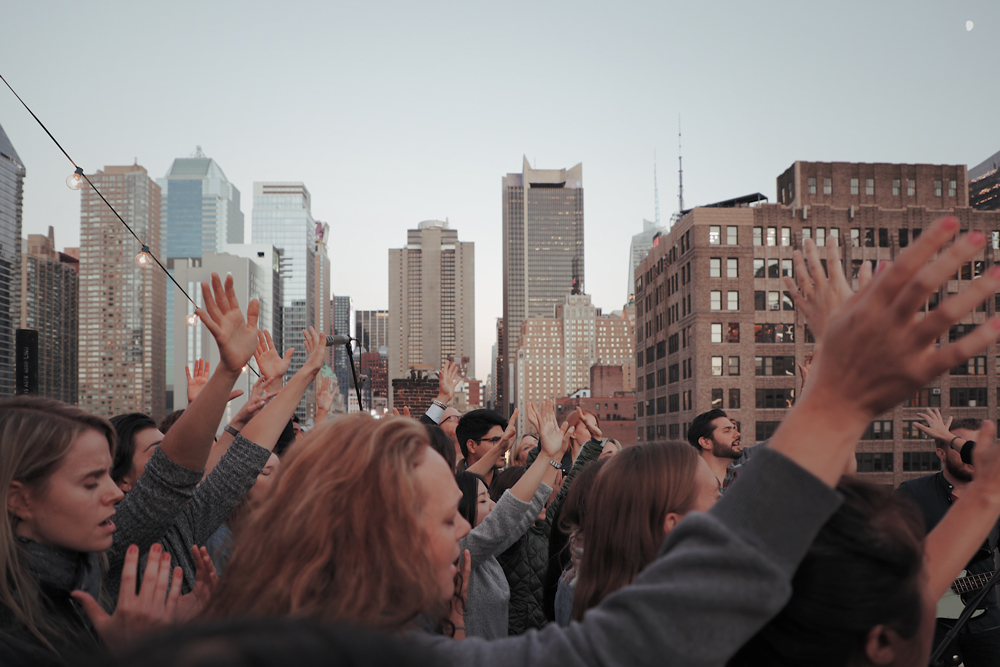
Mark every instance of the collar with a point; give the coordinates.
(62, 569)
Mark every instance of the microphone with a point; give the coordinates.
(966, 452)
(339, 339)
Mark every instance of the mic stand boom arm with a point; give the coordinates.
(354, 372)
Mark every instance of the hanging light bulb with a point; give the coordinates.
(192, 319)
(243, 370)
(75, 180)
(144, 259)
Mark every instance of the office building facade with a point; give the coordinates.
(12, 173)
(431, 308)
(641, 244)
(716, 329)
(543, 257)
(371, 329)
(984, 184)
(122, 355)
(343, 323)
(50, 285)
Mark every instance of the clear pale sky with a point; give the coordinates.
(397, 112)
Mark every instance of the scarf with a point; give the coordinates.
(62, 569)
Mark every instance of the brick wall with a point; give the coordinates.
(415, 394)
(606, 380)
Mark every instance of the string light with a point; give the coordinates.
(144, 259)
(191, 319)
(75, 181)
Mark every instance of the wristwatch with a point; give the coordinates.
(555, 464)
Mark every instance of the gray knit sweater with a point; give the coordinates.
(489, 593)
(169, 506)
(720, 576)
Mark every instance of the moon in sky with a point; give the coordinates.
(968, 26)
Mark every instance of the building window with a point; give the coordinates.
(821, 236)
(937, 188)
(807, 233)
(717, 399)
(674, 373)
(715, 267)
(734, 365)
(661, 405)
(869, 186)
(775, 398)
(734, 399)
(925, 398)
(878, 430)
(732, 267)
(968, 397)
(869, 238)
(911, 432)
(773, 302)
(714, 235)
(759, 300)
(786, 301)
(758, 236)
(765, 430)
(974, 366)
(854, 186)
(911, 187)
(734, 333)
(895, 187)
(920, 462)
(812, 186)
(716, 366)
(774, 333)
(772, 268)
(772, 236)
(874, 461)
(661, 377)
(827, 186)
(675, 402)
(855, 237)
(732, 235)
(786, 268)
(715, 300)
(904, 238)
(733, 300)
(758, 268)
(952, 188)
(883, 237)
(716, 332)
(786, 236)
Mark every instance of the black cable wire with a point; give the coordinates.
(145, 248)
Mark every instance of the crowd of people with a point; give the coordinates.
(452, 539)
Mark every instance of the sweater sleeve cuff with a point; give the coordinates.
(778, 506)
(248, 452)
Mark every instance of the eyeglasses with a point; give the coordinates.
(493, 440)
(456, 417)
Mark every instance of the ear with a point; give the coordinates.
(705, 444)
(470, 446)
(673, 518)
(18, 501)
(881, 645)
(941, 454)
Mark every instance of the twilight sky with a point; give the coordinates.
(397, 112)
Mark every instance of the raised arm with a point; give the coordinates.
(550, 448)
(265, 428)
(189, 441)
(485, 464)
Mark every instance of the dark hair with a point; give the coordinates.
(468, 484)
(505, 480)
(475, 425)
(269, 642)
(574, 508)
(126, 426)
(702, 427)
(286, 438)
(623, 533)
(863, 569)
(442, 444)
(169, 421)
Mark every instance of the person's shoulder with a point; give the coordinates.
(918, 485)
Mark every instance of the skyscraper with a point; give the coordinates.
(642, 243)
(431, 310)
(200, 213)
(11, 193)
(372, 329)
(282, 217)
(49, 288)
(122, 354)
(542, 252)
(343, 323)
(984, 184)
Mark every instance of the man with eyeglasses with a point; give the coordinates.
(478, 433)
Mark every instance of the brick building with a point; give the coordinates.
(715, 327)
(415, 392)
(614, 407)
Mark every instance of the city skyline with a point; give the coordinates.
(409, 112)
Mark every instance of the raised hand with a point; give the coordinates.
(324, 397)
(448, 380)
(936, 427)
(550, 434)
(235, 336)
(589, 422)
(271, 364)
(137, 613)
(198, 379)
(815, 294)
(206, 581)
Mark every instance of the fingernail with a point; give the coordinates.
(133, 549)
(950, 223)
(977, 237)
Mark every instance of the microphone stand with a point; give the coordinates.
(970, 609)
(354, 372)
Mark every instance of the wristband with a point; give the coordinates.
(229, 429)
(557, 466)
(439, 404)
(952, 441)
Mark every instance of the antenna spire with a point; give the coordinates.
(656, 190)
(680, 171)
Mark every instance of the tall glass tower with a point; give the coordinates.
(282, 217)
(11, 194)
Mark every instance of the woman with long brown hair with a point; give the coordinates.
(638, 497)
